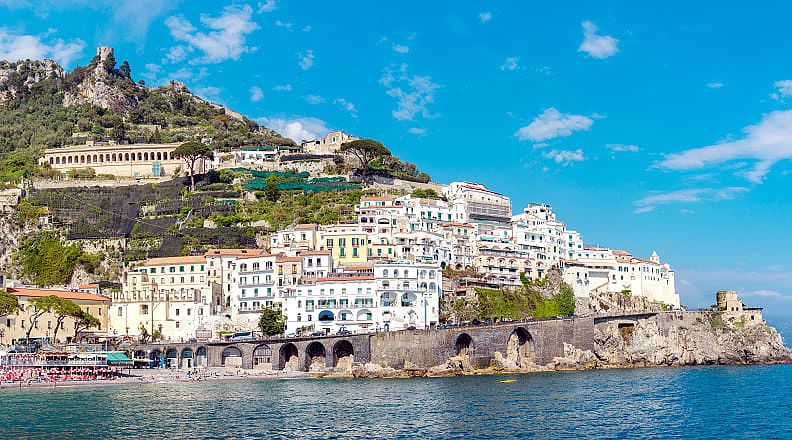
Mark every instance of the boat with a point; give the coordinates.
(508, 381)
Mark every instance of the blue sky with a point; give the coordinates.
(661, 127)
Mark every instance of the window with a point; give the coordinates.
(177, 312)
(120, 311)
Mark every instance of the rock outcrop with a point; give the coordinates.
(17, 79)
(99, 85)
(686, 339)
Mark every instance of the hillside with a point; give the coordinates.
(43, 106)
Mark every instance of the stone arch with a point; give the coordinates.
(186, 360)
(262, 357)
(231, 357)
(159, 155)
(95, 158)
(156, 357)
(201, 357)
(126, 157)
(464, 349)
(114, 157)
(521, 348)
(145, 155)
(52, 161)
(171, 357)
(343, 354)
(315, 356)
(82, 158)
(289, 357)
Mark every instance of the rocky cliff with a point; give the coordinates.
(18, 79)
(686, 338)
(102, 85)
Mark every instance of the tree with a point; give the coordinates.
(8, 303)
(83, 321)
(62, 309)
(190, 152)
(110, 62)
(156, 334)
(271, 192)
(365, 151)
(41, 305)
(271, 322)
(125, 70)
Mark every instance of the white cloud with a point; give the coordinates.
(691, 195)
(346, 105)
(413, 93)
(15, 47)
(565, 157)
(284, 24)
(715, 85)
(766, 143)
(511, 63)
(226, 36)
(297, 128)
(208, 92)
(315, 99)
(256, 94)
(400, 48)
(306, 59)
(417, 131)
(622, 148)
(306, 28)
(129, 19)
(552, 124)
(597, 46)
(175, 54)
(485, 16)
(765, 293)
(267, 6)
(784, 89)
(283, 88)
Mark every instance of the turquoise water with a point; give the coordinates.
(705, 402)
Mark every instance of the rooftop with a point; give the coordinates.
(65, 294)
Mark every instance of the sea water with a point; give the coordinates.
(700, 402)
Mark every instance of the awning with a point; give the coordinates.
(118, 358)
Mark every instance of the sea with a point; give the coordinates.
(722, 402)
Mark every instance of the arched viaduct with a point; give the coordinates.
(537, 341)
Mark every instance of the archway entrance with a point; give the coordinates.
(343, 355)
(157, 361)
(200, 357)
(186, 358)
(171, 358)
(289, 357)
(464, 350)
(520, 348)
(262, 357)
(315, 357)
(232, 357)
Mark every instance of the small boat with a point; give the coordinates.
(508, 381)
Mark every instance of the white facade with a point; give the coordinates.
(615, 271)
(328, 144)
(171, 295)
(473, 202)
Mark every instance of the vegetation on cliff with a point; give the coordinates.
(45, 260)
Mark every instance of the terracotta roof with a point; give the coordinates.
(376, 198)
(173, 260)
(303, 226)
(89, 286)
(462, 225)
(233, 252)
(282, 259)
(315, 253)
(65, 294)
(359, 268)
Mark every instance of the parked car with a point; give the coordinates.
(343, 331)
(412, 327)
(318, 333)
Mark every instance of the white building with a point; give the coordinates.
(170, 295)
(601, 270)
(397, 296)
(473, 202)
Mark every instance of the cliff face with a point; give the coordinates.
(99, 85)
(17, 79)
(676, 339)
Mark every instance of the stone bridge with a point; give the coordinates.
(535, 341)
